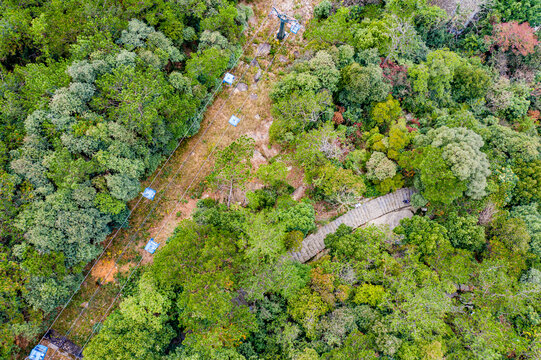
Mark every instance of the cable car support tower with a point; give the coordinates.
(284, 19)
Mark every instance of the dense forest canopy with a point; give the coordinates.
(93, 95)
(437, 96)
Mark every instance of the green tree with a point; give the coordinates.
(274, 173)
(265, 240)
(16, 32)
(307, 307)
(47, 293)
(335, 29)
(384, 113)
(300, 217)
(54, 29)
(433, 78)
(323, 67)
(379, 167)
(8, 206)
(39, 83)
(63, 223)
(427, 235)
(122, 338)
(135, 91)
(508, 99)
(356, 345)
(317, 147)
(18, 320)
(521, 11)
(446, 75)
(362, 86)
(308, 353)
(337, 325)
(323, 10)
(532, 218)
(403, 40)
(365, 246)
(470, 81)
(461, 153)
(223, 21)
(369, 294)
(528, 188)
(207, 66)
(464, 232)
(203, 261)
(339, 186)
(506, 144)
(399, 139)
(232, 166)
(298, 112)
(436, 181)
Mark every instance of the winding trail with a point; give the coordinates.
(366, 212)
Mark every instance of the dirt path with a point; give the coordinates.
(255, 122)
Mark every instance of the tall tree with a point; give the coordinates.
(233, 166)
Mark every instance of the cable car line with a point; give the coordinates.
(218, 87)
(163, 190)
(178, 202)
(155, 205)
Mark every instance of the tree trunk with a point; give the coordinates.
(230, 192)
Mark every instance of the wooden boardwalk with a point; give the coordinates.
(354, 218)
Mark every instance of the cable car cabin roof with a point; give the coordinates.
(234, 120)
(229, 78)
(295, 27)
(149, 193)
(152, 246)
(38, 352)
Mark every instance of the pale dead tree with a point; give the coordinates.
(330, 147)
(485, 216)
(345, 199)
(464, 12)
(326, 141)
(402, 36)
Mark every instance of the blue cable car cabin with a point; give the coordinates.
(229, 78)
(152, 246)
(149, 193)
(234, 120)
(295, 27)
(38, 352)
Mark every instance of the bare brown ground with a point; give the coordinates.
(181, 197)
(105, 271)
(324, 214)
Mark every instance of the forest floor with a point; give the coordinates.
(194, 158)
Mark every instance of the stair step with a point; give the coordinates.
(357, 217)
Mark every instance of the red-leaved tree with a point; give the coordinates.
(519, 38)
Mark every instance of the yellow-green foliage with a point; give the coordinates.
(376, 141)
(399, 138)
(392, 144)
(369, 294)
(332, 180)
(306, 308)
(387, 111)
(293, 240)
(390, 184)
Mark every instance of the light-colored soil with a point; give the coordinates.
(105, 271)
